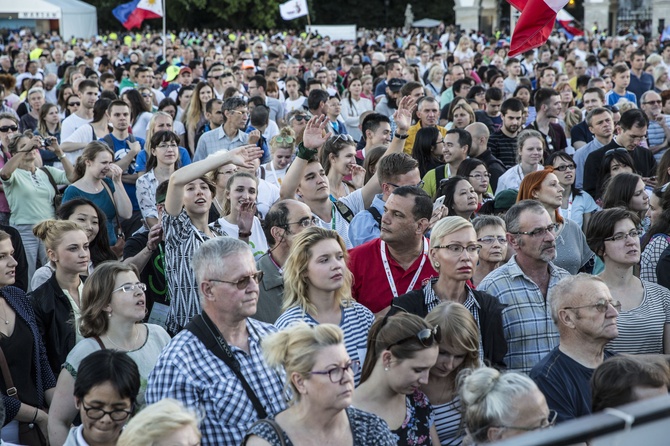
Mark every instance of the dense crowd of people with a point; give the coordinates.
(407, 239)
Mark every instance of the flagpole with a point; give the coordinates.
(164, 32)
(309, 23)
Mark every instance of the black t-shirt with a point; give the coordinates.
(153, 274)
(581, 132)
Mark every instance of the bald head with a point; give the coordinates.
(480, 136)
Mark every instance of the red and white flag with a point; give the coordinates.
(535, 24)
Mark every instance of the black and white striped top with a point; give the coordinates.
(448, 422)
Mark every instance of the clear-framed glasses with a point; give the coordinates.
(565, 167)
(457, 250)
(490, 239)
(169, 145)
(95, 413)
(427, 337)
(336, 374)
(243, 283)
(130, 287)
(539, 232)
(480, 176)
(602, 305)
(619, 236)
(305, 222)
(549, 422)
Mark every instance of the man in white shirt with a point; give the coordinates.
(88, 94)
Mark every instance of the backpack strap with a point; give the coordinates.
(377, 216)
(343, 209)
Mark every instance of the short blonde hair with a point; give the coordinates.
(156, 422)
(446, 226)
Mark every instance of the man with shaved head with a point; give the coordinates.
(479, 150)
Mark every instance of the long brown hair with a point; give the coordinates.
(90, 152)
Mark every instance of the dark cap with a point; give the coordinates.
(396, 84)
(505, 199)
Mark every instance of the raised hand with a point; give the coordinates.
(403, 115)
(315, 136)
(357, 175)
(254, 137)
(245, 217)
(114, 173)
(245, 156)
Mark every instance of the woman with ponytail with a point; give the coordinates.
(401, 350)
(57, 302)
(320, 375)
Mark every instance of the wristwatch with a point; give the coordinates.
(399, 136)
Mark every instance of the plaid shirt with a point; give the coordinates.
(432, 301)
(529, 329)
(188, 372)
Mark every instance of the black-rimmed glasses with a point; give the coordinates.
(336, 374)
(305, 222)
(243, 283)
(457, 249)
(565, 167)
(602, 305)
(95, 413)
(539, 232)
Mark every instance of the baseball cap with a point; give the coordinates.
(172, 73)
(505, 199)
(396, 84)
(248, 63)
(183, 70)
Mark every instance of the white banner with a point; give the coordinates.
(293, 9)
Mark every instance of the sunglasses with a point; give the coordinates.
(565, 167)
(334, 139)
(284, 139)
(426, 337)
(243, 283)
(73, 104)
(8, 128)
(300, 118)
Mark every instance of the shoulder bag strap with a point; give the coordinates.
(116, 211)
(343, 209)
(99, 341)
(375, 213)
(7, 376)
(215, 343)
(51, 179)
(273, 424)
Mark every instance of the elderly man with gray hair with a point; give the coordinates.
(586, 316)
(215, 365)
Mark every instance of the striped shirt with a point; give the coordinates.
(448, 422)
(651, 255)
(503, 147)
(529, 329)
(641, 329)
(355, 323)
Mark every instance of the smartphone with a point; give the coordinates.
(438, 203)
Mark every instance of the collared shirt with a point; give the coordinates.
(364, 227)
(190, 373)
(580, 160)
(216, 140)
(529, 329)
(431, 300)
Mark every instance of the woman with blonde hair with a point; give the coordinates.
(57, 302)
(317, 289)
(161, 122)
(462, 115)
(463, 50)
(530, 151)
(459, 350)
(48, 123)
(282, 149)
(454, 252)
(320, 375)
(162, 423)
(661, 78)
(567, 100)
(194, 116)
(113, 305)
(434, 84)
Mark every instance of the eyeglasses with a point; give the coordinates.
(226, 173)
(73, 104)
(457, 249)
(565, 167)
(549, 422)
(419, 184)
(490, 239)
(427, 337)
(240, 112)
(602, 305)
(95, 413)
(9, 128)
(243, 283)
(305, 222)
(652, 103)
(146, 95)
(334, 139)
(129, 287)
(216, 78)
(173, 145)
(336, 374)
(480, 176)
(284, 139)
(634, 233)
(539, 232)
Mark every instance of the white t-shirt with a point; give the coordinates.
(70, 124)
(274, 176)
(83, 135)
(257, 241)
(290, 105)
(267, 195)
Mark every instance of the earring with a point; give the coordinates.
(436, 265)
(386, 369)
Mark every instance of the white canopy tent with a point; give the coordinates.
(75, 18)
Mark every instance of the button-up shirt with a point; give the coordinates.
(529, 329)
(216, 140)
(363, 226)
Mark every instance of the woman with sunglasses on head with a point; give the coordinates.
(320, 374)
(655, 242)
(479, 177)
(577, 205)
(492, 235)
(338, 159)
(282, 148)
(162, 163)
(454, 251)
(460, 197)
(501, 405)
(428, 149)
(298, 120)
(317, 289)
(401, 350)
(105, 395)
(644, 315)
(459, 350)
(113, 305)
(627, 190)
(615, 162)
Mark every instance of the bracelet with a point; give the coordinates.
(244, 234)
(305, 153)
(399, 136)
(61, 156)
(32, 423)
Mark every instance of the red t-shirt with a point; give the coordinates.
(371, 287)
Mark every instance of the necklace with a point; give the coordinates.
(91, 186)
(4, 312)
(119, 347)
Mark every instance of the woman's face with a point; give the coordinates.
(73, 103)
(355, 87)
(6, 136)
(127, 305)
(166, 152)
(205, 95)
(103, 430)
(529, 411)
(479, 179)
(499, 82)
(282, 158)
(243, 190)
(461, 266)
(67, 93)
(99, 167)
(481, 99)
(567, 176)
(170, 110)
(298, 125)
(494, 244)
(319, 387)
(531, 152)
(407, 74)
(344, 160)
(367, 85)
(626, 251)
(465, 199)
(185, 99)
(52, 116)
(616, 168)
(326, 267)
(86, 217)
(640, 200)
(550, 192)
(72, 254)
(405, 376)
(566, 94)
(523, 95)
(223, 174)
(197, 197)
(7, 263)
(147, 97)
(367, 70)
(449, 359)
(461, 119)
(655, 208)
